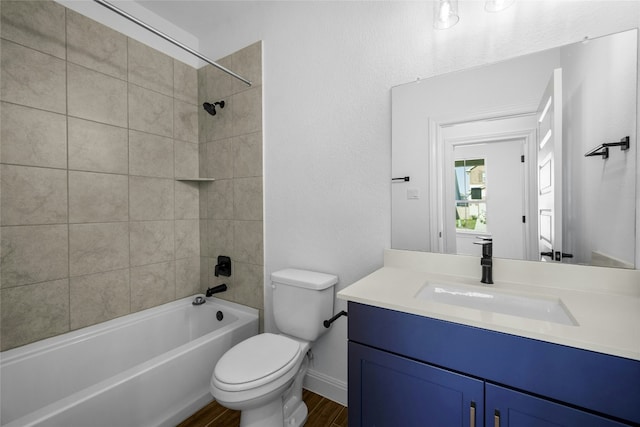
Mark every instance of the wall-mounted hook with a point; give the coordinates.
(623, 144)
(603, 149)
(599, 151)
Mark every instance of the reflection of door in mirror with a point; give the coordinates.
(508, 148)
(549, 141)
(494, 169)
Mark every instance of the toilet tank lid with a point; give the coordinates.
(304, 278)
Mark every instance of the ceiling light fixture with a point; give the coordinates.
(497, 5)
(445, 14)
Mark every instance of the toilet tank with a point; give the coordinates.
(302, 300)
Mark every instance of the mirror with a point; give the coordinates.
(500, 151)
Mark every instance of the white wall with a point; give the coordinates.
(328, 70)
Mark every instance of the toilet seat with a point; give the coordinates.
(256, 361)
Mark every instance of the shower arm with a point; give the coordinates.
(169, 39)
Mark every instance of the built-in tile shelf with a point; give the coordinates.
(196, 179)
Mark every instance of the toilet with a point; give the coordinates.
(262, 376)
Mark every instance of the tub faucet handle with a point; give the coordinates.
(223, 268)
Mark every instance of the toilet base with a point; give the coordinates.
(295, 410)
(269, 415)
(298, 417)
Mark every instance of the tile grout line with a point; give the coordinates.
(173, 187)
(126, 47)
(66, 107)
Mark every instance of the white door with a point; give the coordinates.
(549, 138)
(504, 198)
(508, 146)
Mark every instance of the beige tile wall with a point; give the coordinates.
(231, 152)
(95, 126)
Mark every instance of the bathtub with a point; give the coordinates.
(150, 368)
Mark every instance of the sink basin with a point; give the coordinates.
(532, 307)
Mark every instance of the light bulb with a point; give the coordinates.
(497, 5)
(445, 14)
(445, 10)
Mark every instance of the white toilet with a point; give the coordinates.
(262, 376)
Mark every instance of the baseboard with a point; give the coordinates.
(189, 409)
(326, 386)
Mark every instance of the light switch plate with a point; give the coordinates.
(413, 193)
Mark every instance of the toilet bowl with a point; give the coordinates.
(257, 377)
(263, 375)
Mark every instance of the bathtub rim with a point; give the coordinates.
(77, 335)
(245, 315)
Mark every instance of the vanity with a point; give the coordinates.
(516, 153)
(427, 349)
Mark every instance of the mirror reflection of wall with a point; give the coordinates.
(430, 117)
(599, 84)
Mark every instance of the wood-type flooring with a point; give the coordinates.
(322, 413)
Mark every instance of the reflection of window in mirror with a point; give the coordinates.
(471, 195)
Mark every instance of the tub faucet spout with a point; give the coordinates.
(486, 261)
(216, 290)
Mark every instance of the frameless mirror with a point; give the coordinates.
(537, 152)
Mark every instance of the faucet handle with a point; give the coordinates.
(487, 246)
(223, 268)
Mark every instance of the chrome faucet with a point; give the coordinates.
(486, 261)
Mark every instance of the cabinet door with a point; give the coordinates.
(509, 408)
(386, 390)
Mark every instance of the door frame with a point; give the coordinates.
(515, 127)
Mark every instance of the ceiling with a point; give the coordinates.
(198, 17)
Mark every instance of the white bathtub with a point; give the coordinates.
(150, 368)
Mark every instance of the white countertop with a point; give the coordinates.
(608, 321)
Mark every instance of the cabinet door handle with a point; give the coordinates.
(472, 414)
(496, 418)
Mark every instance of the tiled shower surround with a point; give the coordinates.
(231, 152)
(95, 127)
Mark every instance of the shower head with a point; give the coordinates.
(211, 108)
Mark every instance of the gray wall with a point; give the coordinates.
(95, 126)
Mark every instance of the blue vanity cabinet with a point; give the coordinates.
(510, 408)
(396, 391)
(432, 372)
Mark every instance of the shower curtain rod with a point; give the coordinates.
(169, 39)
